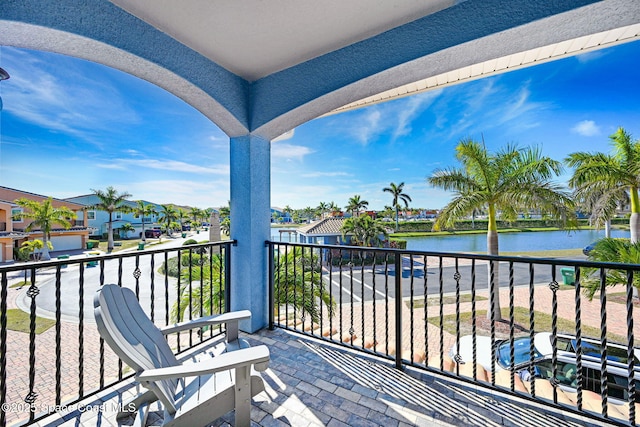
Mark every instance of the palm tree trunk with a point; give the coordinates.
(44, 254)
(634, 220)
(396, 218)
(110, 235)
(607, 229)
(493, 280)
(634, 226)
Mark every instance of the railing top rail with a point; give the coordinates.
(464, 255)
(78, 260)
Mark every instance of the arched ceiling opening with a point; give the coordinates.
(266, 67)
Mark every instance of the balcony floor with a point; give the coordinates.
(311, 383)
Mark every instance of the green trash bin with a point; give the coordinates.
(63, 257)
(89, 245)
(184, 235)
(568, 276)
(140, 246)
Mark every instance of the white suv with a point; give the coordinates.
(566, 369)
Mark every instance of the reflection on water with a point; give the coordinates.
(511, 242)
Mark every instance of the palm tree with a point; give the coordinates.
(309, 213)
(398, 196)
(168, 215)
(322, 209)
(611, 250)
(225, 226)
(355, 204)
(43, 215)
(365, 230)
(111, 201)
(142, 211)
(181, 214)
(299, 284)
(601, 181)
(197, 216)
(507, 181)
(126, 228)
(333, 208)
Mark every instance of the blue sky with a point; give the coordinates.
(69, 126)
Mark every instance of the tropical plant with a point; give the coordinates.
(205, 295)
(181, 215)
(298, 283)
(142, 211)
(168, 215)
(111, 201)
(508, 181)
(309, 213)
(225, 211)
(126, 228)
(333, 208)
(603, 181)
(225, 226)
(398, 196)
(43, 215)
(33, 248)
(610, 250)
(365, 231)
(355, 204)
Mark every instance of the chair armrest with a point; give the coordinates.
(257, 356)
(231, 319)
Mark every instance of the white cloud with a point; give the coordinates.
(586, 128)
(166, 165)
(410, 109)
(199, 193)
(289, 151)
(324, 174)
(366, 126)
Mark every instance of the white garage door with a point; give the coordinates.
(66, 243)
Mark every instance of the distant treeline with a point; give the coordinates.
(481, 224)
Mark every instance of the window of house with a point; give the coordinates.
(117, 215)
(91, 214)
(14, 214)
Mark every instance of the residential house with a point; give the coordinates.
(98, 221)
(13, 230)
(326, 231)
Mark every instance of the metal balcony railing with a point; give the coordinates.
(50, 351)
(535, 334)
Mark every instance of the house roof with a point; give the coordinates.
(325, 227)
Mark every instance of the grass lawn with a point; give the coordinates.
(18, 320)
(521, 322)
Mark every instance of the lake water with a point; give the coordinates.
(511, 242)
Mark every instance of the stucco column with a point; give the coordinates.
(250, 226)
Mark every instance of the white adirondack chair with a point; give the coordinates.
(193, 394)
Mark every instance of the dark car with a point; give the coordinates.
(153, 233)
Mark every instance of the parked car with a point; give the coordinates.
(152, 233)
(587, 249)
(566, 367)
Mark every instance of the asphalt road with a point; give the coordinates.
(70, 279)
(365, 283)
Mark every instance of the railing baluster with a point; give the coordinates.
(631, 381)
(411, 302)
(386, 302)
(425, 296)
(58, 336)
(493, 306)
(456, 277)
(441, 314)
(81, 334)
(398, 307)
(474, 344)
(363, 301)
(3, 346)
(32, 396)
(604, 385)
(554, 331)
(532, 329)
(579, 378)
(271, 281)
(512, 325)
(153, 289)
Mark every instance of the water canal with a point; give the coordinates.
(509, 242)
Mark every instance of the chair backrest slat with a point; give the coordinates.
(133, 337)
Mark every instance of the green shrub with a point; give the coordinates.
(397, 244)
(171, 267)
(189, 242)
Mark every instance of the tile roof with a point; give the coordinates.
(324, 227)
